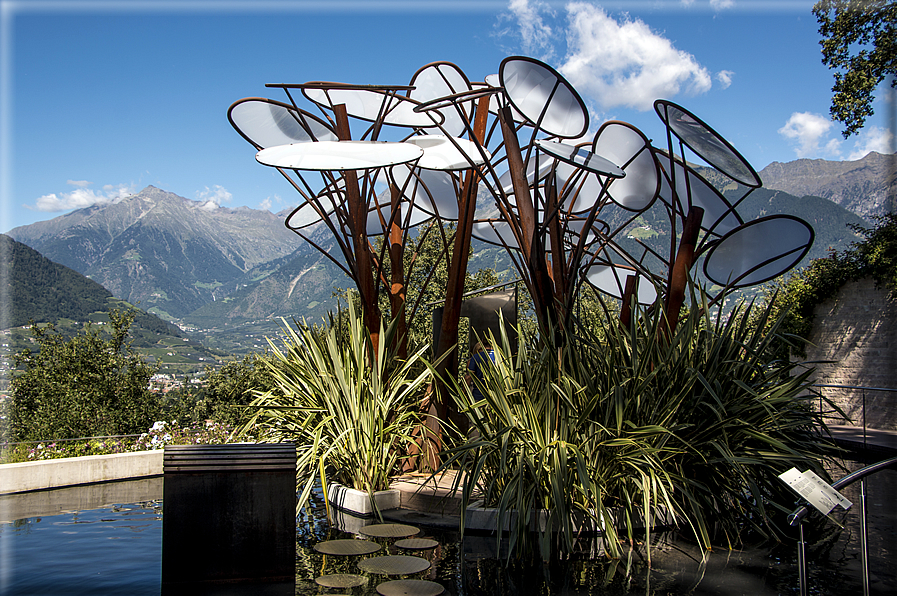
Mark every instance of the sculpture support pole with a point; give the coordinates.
(447, 348)
(531, 245)
(685, 258)
(518, 181)
(628, 295)
(397, 289)
(357, 217)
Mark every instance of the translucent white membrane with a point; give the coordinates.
(545, 164)
(495, 101)
(694, 191)
(495, 232)
(444, 153)
(612, 280)
(544, 97)
(581, 157)
(575, 226)
(758, 251)
(706, 143)
(432, 191)
(578, 185)
(624, 146)
(338, 155)
(374, 106)
(269, 124)
(380, 218)
(440, 80)
(306, 215)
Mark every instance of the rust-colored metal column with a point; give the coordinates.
(628, 295)
(397, 289)
(518, 181)
(454, 291)
(685, 258)
(358, 212)
(540, 285)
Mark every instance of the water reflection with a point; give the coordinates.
(116, 549)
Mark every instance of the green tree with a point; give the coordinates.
(84, 386)
(798, 296)
(226, 390)
(859, 40)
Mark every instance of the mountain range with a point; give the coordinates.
(867, 187)
(217, 269)
(166, 253)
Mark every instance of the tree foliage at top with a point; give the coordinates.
(859, 41)
(85, 386)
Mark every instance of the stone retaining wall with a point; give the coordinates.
(857, 331)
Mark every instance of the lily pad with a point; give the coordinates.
(389, 530)
(417, 543)
(347, 547)
(410, 587)
(394, 565)
(341, 580)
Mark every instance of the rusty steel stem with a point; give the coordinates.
(685, 258)
(357, 212)
(397, 289)
(447, 350)
(531, 244)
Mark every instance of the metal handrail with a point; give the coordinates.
(797, 516)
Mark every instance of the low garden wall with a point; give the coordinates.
(73, 471)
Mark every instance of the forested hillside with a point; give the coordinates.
(42, 291)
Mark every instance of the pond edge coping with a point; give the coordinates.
(74, 471)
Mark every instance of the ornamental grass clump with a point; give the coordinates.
(351, 410)
(640, 424)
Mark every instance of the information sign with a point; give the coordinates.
(815, 490)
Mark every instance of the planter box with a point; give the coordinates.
(481, 518)
(359, 502)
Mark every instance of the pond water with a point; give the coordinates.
(107, 539)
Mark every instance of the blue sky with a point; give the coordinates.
(102, 98)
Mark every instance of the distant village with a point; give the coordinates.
(163, 383)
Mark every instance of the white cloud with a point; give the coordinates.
(266, 204)
(213, 197)
(808, 131)
(625, 63)
(81, 197)
(721, 4)
(534, 33)
(725, 78)
(875, 139)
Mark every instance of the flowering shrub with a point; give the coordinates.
(161, 433)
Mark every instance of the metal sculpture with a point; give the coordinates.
(426, 150)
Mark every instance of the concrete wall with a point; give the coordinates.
(72, 471)
(857, 330)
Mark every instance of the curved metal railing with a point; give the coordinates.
(796, 518)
